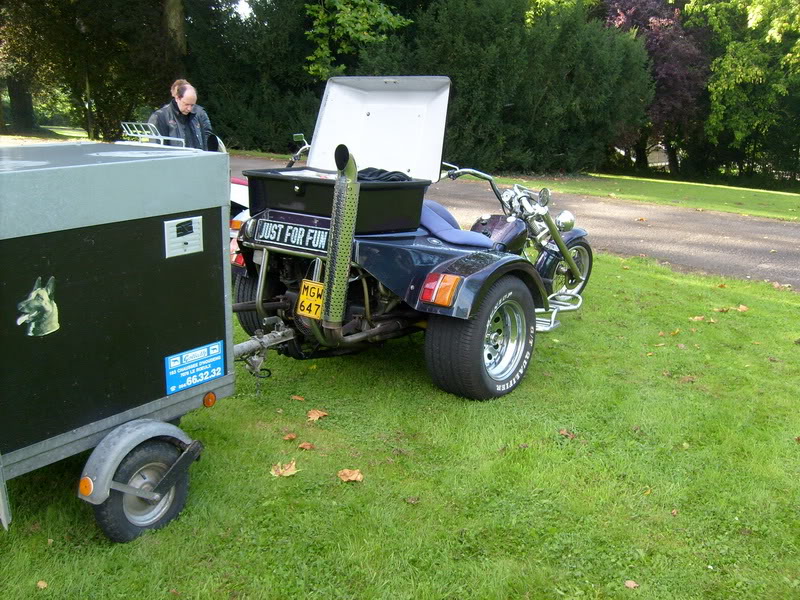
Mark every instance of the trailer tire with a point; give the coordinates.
(487, 355)
(124, 517)
(244, 290)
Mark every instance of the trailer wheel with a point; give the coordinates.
(244, 290)
(124, 517)
(487, 355)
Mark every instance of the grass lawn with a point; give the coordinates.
(760, 203)
(646, 445)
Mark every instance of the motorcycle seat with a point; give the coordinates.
(442, 225)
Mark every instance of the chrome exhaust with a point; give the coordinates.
(340, 248)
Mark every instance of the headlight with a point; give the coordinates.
(544, 197)
(565, 220)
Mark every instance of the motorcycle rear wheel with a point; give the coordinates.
(487, 355)
(244, 290)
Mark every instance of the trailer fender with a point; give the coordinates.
(107, 455)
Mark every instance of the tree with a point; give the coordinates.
(111, 55)
(341, 28)
(679, 68)
(754, 88)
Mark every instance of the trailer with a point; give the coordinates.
(116, 319)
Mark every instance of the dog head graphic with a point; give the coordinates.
(39, 310)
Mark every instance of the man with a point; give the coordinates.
(199, 111)
(177, 119)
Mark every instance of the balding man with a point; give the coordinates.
(176, 119)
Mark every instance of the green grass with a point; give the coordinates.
(701, 196)
(481, 499)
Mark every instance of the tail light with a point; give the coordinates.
(440, 289)
(237, 259)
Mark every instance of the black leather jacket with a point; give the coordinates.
(172, 123)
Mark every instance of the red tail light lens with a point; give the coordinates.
(440, 289)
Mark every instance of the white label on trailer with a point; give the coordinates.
(183, 236)
(193, 367)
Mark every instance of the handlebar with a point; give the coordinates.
(454, 173)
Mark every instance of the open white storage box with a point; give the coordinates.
(390, 123)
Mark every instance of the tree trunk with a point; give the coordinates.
(174, 19)
(672, 158)
(2, 112)
(21, 101)
(640, 152)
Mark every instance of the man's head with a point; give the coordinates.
(185, 98)
(173, 89)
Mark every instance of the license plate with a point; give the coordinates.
(290, 235)
(309, 304)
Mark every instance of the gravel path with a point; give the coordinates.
(686, 239)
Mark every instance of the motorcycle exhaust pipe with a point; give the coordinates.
(340, 248)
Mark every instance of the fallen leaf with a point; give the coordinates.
(413, 499)
(688, 379)
(773, 359)
(42, 584)
(697, 318)
(300, 398)
(306, 446)
(650, 353)
(316, 415)
(648, 491)
(742, 308)
(676, 332)
(712, 320)
(660, 345)
(797, 439)
(626, 268)
(722, 310)
(566, 433)
(286, 470)
(350, 475)
(631, 584)
(667, 373)
(279, 411)
(641, 219)
(661, 334)
(290, 436)
(523, 446)
(756, 343)
(682, 346)
(722, 285)
(50, 542)
(674, 512)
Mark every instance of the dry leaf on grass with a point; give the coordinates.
(42, 584)
(742, 308)
(674, 512)
(688, 379)
(350, 475)
(290, 436)
(286, 470)
(300, 398)
(306, 446)
(566, 433)
(697, 318)
(412, 499)
(722, 285)
(722, 310)
(316, 415)
(676, 332)
(631, 584)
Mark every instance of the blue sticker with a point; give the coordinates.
(195, 366)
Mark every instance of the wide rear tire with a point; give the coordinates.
(244, 290)
(487, 355)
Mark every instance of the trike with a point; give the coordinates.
(343, 258)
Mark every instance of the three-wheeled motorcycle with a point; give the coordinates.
(343, 258)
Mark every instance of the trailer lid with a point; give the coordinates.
(392, 123)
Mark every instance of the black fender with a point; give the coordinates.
(479, 271)
(551, 254)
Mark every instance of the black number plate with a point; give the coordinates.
(290, 235)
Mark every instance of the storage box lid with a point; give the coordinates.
(392, 123)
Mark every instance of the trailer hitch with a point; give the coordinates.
(253, 352)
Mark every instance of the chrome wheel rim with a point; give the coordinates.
(563, 280)
(143, 512)
(505, 340)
